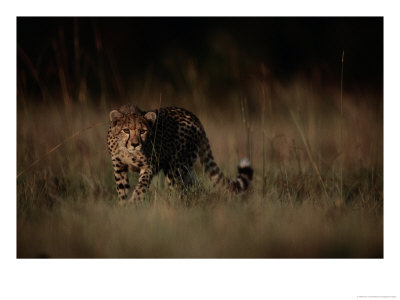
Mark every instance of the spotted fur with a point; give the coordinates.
(169, 139)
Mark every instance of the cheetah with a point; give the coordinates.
(169, 139)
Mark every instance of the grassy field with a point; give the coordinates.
(317, 190)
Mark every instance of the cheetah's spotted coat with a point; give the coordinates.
(169, 139)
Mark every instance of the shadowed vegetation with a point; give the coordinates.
(67, 203)
(317, 190)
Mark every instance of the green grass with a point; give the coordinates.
(307, 199)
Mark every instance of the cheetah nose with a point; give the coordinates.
(134, 145)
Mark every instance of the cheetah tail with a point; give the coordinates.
(237, 185)
(245, 174)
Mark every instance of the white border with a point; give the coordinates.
(198, 279)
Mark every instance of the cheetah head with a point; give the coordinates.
(132, 127)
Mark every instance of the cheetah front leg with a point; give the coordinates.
(121, 181)
(145, 177)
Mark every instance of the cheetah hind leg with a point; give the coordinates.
(180, 181)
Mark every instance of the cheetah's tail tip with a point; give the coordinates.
(244, 163)
(245, 168)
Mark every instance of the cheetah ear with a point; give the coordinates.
(150, 116)
(114, 116)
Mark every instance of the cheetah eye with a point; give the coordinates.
(126, 130)
(142, 131)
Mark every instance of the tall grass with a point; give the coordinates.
(66, 200)
(67, 204)
(304, 166)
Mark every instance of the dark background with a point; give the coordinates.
(115, 56)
